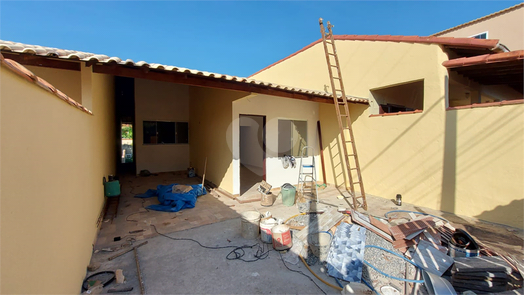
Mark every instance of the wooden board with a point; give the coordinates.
(324, 222)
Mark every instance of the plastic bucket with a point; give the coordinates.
(320, 243)
(288, 194)
(266, 225)
(250, 224)
(281, 237)
(112, 188)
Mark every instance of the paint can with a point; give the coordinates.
(320, 243)
(281, 237)
(266, 224)
(266, 200)
(250, 224)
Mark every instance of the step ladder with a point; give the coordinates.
(307, 175)
(344, 120)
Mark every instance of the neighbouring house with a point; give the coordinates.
(506, 25)
(433, 121)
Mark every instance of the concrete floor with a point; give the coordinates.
(173, 267)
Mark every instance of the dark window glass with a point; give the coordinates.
(166, 132)
(150, 135)
(182, 132)
(156, 132)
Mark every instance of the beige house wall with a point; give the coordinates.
(507, 27)
(160, 101)
(274, 109)
(51, 180)
(66, 80)
(412, 154)
(210, 133)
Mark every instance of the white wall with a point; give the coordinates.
(274, 108)
(160, 101)
(251, 140)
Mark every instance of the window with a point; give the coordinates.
(292, 137)
(407, 97)
(157, 132)
(483, 35)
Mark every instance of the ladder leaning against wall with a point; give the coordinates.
(344, 120)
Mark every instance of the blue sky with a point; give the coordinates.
(236, 38)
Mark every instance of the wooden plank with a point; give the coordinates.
(40, 61)
(197, 80)
(323, 222)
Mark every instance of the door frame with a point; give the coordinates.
(263, 144)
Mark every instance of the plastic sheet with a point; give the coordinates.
(173, 202)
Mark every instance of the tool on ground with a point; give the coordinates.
(139, 274)
(118, 290)
(104, 277)
(126, 251)
(340, 100)
(307, 175)
(204, 174)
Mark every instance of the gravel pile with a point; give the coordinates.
(387, 263)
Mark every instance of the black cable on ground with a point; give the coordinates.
(99, 276)
(236, 254)
(300, 272)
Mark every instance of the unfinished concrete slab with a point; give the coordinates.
(172, 266)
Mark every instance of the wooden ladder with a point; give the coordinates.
(341, 106)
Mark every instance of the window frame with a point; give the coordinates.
(480, 34)
(292, 141)
(175, 130)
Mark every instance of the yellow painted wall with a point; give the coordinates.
(160, 101)
(210, 117)
(410, 153)
(507, 27)
(53, 158)
(66, 80)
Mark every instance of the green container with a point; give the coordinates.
(112, 188)
(288, 194)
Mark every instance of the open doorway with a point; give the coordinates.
(125, 125)
(252, 151)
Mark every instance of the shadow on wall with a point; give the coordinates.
(511, 214)
(333, 148)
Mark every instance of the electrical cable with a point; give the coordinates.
(390, 276)
(407, 211)
(238, 251)
(331, 285)
(302, 273)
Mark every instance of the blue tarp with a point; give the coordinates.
(173, 202)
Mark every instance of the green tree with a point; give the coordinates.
(127, 131)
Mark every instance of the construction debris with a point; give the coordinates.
(430, 244)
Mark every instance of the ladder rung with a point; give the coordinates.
(336, 78)
(335, 66)
(353, 168)
(332, 54)
(356, 182)
(308, 166)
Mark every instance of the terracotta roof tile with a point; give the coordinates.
(491, 44)
(29, 76)
(15, 47)
(484, 59)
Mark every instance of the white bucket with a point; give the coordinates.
(266, 224)
(250, 224)
(281, 237)
(320, 243)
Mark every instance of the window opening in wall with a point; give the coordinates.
(292, 137)
(483, 35)
(407, 97)
(159, 132)
(127, 142)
